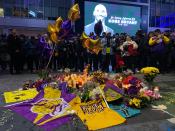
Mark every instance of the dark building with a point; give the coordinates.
(34, 15)
(31, 15)
(162, 13)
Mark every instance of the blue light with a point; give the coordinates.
(32, 13)
(163, 20)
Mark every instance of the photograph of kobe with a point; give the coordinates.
(99, 13)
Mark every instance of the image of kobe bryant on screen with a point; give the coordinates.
(100, 14)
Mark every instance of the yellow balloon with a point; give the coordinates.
(92, 45)
(97, 47)
(84, 36)
(58, 24)
(95, 51)
(59, 19)
(74, 13)
(54, 38)
(51, 28)
(94, 41)
(86, 43)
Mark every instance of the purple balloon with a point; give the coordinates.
(65, 29)
(66, 25)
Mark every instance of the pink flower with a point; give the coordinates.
(152, 94)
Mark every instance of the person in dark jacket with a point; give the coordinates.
(31, 54)
(79, 55)
(143, 49)
(14, 49)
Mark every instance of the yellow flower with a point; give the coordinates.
(149, 70)
(130, 102)
(136, 102)
(141, 95)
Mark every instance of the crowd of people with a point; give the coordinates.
(19, 53)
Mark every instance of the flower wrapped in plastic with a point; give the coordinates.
(140, 102)
(150, 74)
(149, 70)
(154, 94)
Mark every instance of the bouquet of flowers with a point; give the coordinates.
(88, 92)
(131, 85)
(135, 102)
(153, 94)
(149, 74)
(140, 101)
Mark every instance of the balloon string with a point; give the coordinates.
(51, 56)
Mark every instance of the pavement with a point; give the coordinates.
(148, 120)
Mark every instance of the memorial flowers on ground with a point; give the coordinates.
(150, 74)
(91, 94)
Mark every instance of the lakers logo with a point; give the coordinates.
(52, 107)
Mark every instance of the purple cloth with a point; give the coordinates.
(63, 87)
(113, 87)
(25, 109)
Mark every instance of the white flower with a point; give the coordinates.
(159, 107)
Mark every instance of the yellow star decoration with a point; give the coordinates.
(53, 29)
(92, 45)
(74, 13)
